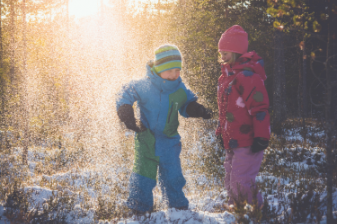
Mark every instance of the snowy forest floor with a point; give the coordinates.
(77, 184)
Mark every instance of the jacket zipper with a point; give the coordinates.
(250, 93)
(230, 84)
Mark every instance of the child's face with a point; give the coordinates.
(171, 74)
(226, 56)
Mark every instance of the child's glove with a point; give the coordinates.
(259, 144)
(195, 109)
(205, 113)
(126, 115)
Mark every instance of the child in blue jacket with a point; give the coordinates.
(160, 94)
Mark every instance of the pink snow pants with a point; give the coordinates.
(242, 166)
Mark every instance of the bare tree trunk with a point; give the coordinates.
(66, 79)
(304, 82)
(304, 90)
(2, 80)
(13, 77)
(12, 41)
(1, 51)
(299, 89)
(1, 66)
(25, 102)
(329, 125)
(279, 103)
(334, 69)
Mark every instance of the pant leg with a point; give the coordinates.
(143, 177)
(171, 179)
(245, 167)
(140, 193)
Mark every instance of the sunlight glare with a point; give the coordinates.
(81, 8)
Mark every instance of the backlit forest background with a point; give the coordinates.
(62, 61)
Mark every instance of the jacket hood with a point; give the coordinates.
(162, 84)
(248, 61)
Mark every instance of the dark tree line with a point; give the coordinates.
(314, 23)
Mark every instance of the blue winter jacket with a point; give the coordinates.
(159, 101)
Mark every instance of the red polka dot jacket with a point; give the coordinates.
(243, 102)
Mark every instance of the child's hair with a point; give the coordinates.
(235, 57)
(234, 40)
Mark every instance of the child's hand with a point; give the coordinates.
(259, 144)
(126, 115)
(195, 109)
(205, 113)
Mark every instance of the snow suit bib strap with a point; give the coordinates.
(146, 162)
(176, 101)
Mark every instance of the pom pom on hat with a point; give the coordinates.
(234, 39)
(167, 57)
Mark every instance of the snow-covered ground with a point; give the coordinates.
(53, 181)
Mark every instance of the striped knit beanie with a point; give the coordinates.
(167, 57)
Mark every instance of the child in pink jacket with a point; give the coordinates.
(243, 113)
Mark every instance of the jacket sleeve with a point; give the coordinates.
(251, 87)
(127, 95)
(190, 98)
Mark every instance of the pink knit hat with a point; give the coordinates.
(234, 39)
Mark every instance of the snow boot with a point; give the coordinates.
(129, 212)
(181, 208)
(136, 215)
